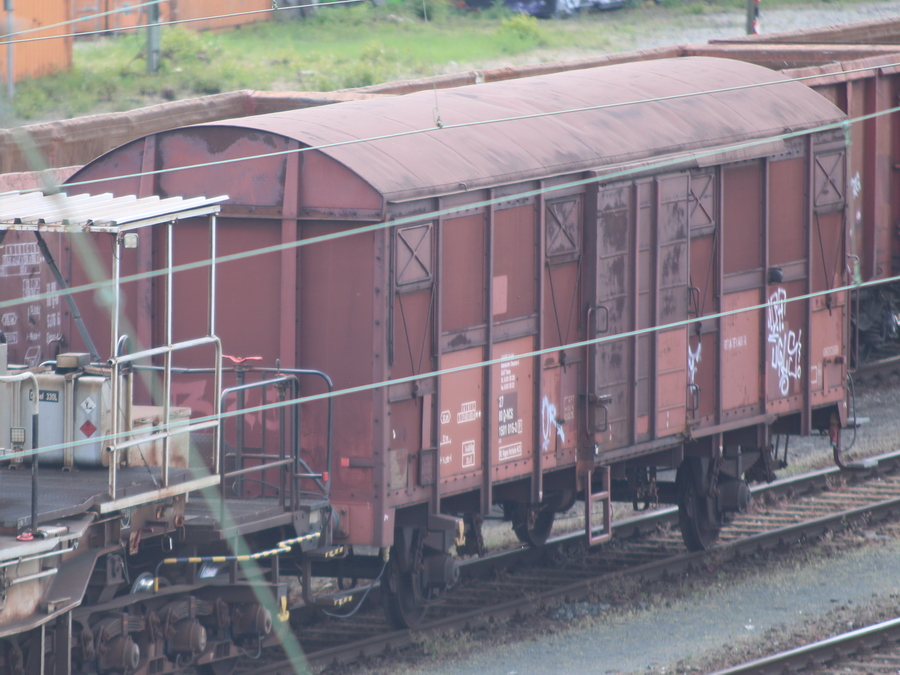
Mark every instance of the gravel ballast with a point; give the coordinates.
(721, 615)
(679, 637)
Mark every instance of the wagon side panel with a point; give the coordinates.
(561, 317)
(335, 334)
(462, 321)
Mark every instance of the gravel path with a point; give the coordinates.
(700, 28)
(650, 26)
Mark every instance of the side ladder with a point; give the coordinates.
(604, 529)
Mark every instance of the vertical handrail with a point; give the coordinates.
(167, 359)
(239, 390)
(240, 437)
(121, 393)
(329, 452)
(118, 361)
(282, 486)
(591, 332)
(217, 384)
(114, 392)
(295, 443)
(218, 467)
(289, 378)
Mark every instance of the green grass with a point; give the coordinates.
(341, 47)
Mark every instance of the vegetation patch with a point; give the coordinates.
(340, 47)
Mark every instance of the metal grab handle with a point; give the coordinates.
(606, 317)
(694, 299)
(589, 366)
(601, 405)
(695, 397)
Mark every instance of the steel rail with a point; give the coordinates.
(725, 551)
(581, 589)
(813, 656)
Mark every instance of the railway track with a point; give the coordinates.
(647, 547)
(873, 650)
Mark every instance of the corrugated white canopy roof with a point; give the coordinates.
(61, 212)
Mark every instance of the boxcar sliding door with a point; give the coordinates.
(639, 383)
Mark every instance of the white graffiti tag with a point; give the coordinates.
(787, 346)
(549, 421)
(693, 360)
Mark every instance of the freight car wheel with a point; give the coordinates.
(696, 515)
(404, 603)
(532, 529)
(404, 591)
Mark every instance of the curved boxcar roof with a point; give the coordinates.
(507, 135)
(509, 150)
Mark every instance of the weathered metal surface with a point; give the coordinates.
(501, 280)
(781, 56)
(615, 313)
(514, 271)
(398, 165)
(871, 208)
(461, 416)
(741, 354)
(463, 266)
(66, 143)
(512, 408)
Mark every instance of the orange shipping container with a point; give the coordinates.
(121, 15)
(31, 57)
(234, 12)
(112, 16)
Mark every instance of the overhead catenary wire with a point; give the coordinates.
(513, 118)
(440, 125)
(105, 284)
(165, 426)
(373, 386)
(431, 215)
(419, 218)
(483, 203)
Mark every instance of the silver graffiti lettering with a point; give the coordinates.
(787, 346)
(693, 360)
(549, 422)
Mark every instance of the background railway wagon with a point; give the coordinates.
(538, 244)
(873, 208)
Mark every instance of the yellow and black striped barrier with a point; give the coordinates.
(282, 547)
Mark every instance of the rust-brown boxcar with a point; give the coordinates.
(593, 234)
